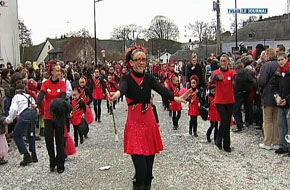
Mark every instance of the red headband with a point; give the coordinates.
(194, 77)
(50, 64)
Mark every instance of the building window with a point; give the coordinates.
(48, 47)
(251, 35)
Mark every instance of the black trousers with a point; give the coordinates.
(77, 134)
(242, 98)
(213, 125)
(143, 169)
(97, 108)
(110, 108)
(223, 138)
(192, 124)
(175, 117)
(55, 127)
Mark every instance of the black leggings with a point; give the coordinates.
(110, 108)
(175, 117)
(193, 124)
(213, 125)
(55, 127)
(97, 108)
(226, 112)
(143, 169)
(77, 134)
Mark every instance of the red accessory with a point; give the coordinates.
(131, 51)
(195, 77)
(285, 69)
(50, 64)
(85, 77)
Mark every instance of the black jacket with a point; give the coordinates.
(243, 81)
(196, 71)
(281, 85)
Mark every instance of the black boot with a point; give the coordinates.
(147, 187)
(135, 187)
(26, 160)
(41, 132)
(34, 157)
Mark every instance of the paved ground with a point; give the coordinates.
(186, 163)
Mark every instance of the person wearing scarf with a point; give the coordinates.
(281, 89)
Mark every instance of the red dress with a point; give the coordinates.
(142, 134)
(193, 105)
(77, 113)
(213, 112)
(98, 92)
(175, 106)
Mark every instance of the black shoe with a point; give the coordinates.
(99, 120)
(34, 157)
(51, 167)
(135, 187)
(86, 136)
(147, 187)
(228, 149)
(37, 138)
(208, 139)
(195, 134)
(81, 140)
(281, 151)
(2, 162)
(60, 169)
(219, 146)
(236, 130)
(26, 160)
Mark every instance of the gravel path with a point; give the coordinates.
(186, 163)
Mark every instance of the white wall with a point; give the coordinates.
(44, 52)
(9, 34)
(164, 58)
(227, 47)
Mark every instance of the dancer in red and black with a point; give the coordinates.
(50, 90)
(142, 138)
(79, 110)
(175, 107)
(193, 111)
(214, 116)
(85, 95)
(110, 84)
(224, 100)
(98, 93)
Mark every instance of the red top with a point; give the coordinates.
(52, 91)
(194, 104)
(77, 112)
(225, 89)
(84, 96)
(98, 92)
(213, 112)
(175, 106)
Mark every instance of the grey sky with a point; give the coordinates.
(55, 17)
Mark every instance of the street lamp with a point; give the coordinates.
(103, 52)
(95, 32)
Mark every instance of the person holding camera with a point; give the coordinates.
(281, 90)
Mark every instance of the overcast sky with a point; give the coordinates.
(51, 18)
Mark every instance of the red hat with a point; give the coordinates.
(85, 77)
(194, 77)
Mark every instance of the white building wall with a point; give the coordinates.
(9, 33)
(286, 43)
(44, 52)
(227, 47)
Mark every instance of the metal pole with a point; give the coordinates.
(95, 35)
(236, 25)
(218, 35)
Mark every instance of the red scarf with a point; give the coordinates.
(286, 68)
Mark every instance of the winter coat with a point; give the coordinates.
(265, 81)
(281, 85)
(243, 81)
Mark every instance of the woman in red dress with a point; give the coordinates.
(175, 107)
(51, 89)
(98, 94)
(193, 111)
(142, 138)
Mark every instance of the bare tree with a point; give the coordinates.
(127, 32)
(162, 28)
(199, 29)
(83, 32)
(24, 34)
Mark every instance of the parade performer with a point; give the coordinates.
(194, 104)
(98, 94)
(175, 107)
(224, 100)
(79, 110)
(214, 116)
(110, 85)
(51, 89)
(142, 138)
